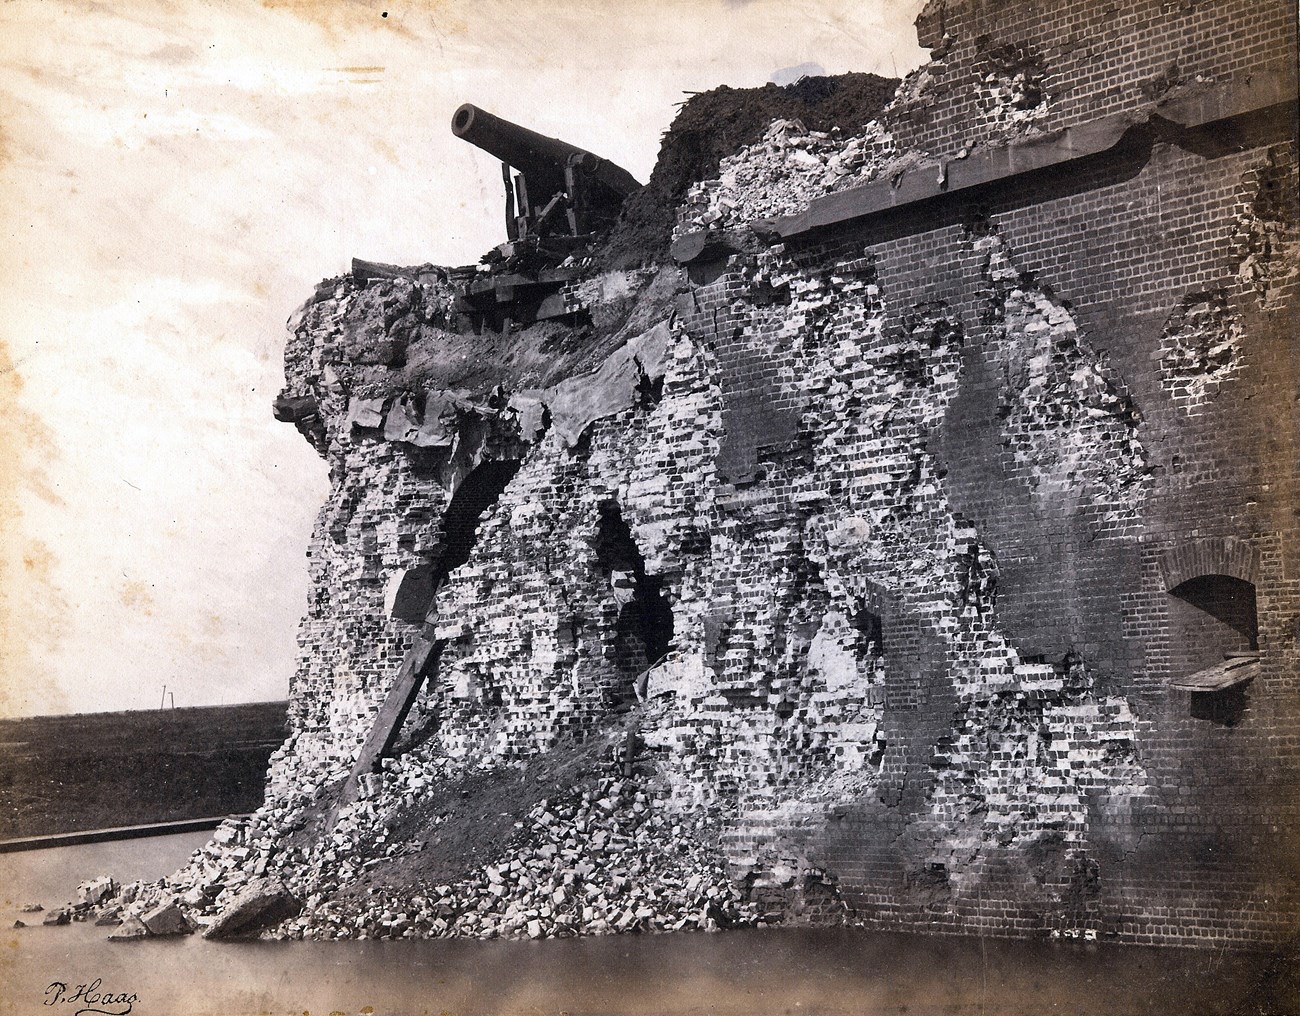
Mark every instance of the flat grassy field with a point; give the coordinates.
(92, 770)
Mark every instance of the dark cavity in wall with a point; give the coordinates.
(1222, 617)
(649, 392)
(1213, 617)
(1226, 708)
(478, 492)
(871, 633)
(643, 634)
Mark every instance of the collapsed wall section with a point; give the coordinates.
(883, 566)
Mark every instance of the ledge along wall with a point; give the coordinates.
(935, 489)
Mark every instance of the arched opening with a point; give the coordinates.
(1214, 644)
(643, 633)
(1218, 614)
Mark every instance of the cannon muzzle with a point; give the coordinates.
(557, 181)
(538, 157)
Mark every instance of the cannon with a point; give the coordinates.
(557, 188)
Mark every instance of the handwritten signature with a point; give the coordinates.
(90, 998)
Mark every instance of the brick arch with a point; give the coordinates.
(1220, 555)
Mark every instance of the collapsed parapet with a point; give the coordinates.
(869, 554)
(1190, 116)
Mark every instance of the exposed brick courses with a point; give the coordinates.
(924, 493)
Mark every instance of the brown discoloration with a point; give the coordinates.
(26, 564)
(135, 596)
(386, 151)
(11, 464)
(341, 20)
(36, 561)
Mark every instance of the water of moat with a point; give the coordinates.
(741, 972)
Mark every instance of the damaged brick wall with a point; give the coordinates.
(1070, 63)
(1085, 303)
(866, 554)
(1009, 746)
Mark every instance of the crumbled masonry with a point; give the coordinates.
(842, 575)
(1201, 348)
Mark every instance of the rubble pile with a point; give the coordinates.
(713, 125)
(135, 910)
(782, 173)
(608, 859)
(611, 854)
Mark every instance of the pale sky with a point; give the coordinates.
(175, 177)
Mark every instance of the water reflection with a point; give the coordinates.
(746, 972)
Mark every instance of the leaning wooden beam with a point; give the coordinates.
(420, 660)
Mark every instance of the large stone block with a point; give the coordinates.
(259, 904)
(409, 593)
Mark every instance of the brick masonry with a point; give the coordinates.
(918, 491)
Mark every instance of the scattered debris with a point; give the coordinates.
(131, 929)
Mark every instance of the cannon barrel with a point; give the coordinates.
(541, 159)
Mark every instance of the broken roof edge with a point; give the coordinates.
(1189, 107)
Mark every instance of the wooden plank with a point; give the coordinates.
(1231, 672)
(419, 660)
